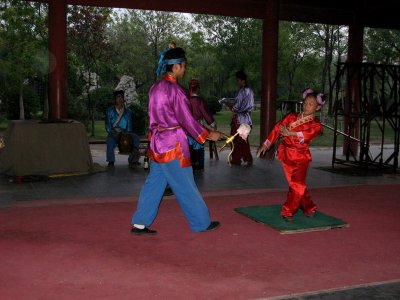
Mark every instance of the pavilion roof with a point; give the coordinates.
(372, 13)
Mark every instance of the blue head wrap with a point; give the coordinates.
(162, 64)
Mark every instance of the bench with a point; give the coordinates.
(143, 145)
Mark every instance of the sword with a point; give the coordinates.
(229, 139)
(342, 133)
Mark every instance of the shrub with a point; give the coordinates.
(213, 105)
(103, 98)
(140, 119)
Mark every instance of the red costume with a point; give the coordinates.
(295, 156)
(202, 115)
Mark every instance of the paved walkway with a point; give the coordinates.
(218, 177)
(123, 184)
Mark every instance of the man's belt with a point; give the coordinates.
(161, 129)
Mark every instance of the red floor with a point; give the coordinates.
(85, 251)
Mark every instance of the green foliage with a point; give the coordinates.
(32, 105)
(23, 36)
(87, 38)
(213, 105)
(220, 47)
(139, 37)
(77, 109)
(140, 119)
(103, 97)
(143, 99)
(382, 46)
(87, 34)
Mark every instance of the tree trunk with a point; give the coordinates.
(46, 101)
(155, 58)
(21, 102)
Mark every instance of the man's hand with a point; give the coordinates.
(261, 151)
(215, 136)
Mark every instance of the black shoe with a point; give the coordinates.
(213, 225)
(111, 164)
(144, 231)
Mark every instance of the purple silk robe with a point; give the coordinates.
(244, 103)
(170, 121)
(200, 110)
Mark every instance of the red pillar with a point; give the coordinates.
(58, 59)
(354, 56)
(269, 68)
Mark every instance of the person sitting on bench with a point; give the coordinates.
(118, 122)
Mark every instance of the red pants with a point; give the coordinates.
(241, 148)
(298, 196)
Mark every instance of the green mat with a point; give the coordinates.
(269, 215)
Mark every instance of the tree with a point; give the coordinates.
(332, 38)
(23, 36)
(382, 46)
(158, 28)
(296, 50)
(231, 44)
(87, 39)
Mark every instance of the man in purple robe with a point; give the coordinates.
(244, 103)
(170, 121)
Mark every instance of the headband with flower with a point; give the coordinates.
(320, 96)
(307, 92)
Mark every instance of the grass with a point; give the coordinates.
(99, 131)
(4, 124)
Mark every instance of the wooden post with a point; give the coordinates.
(58, 59)
(269, 68)
(355, 53)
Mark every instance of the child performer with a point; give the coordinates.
(170, 120)
(297, 131)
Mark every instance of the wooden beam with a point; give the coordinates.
(381, 14)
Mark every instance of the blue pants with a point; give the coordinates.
(186, 192)
(112, 141)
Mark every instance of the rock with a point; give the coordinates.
(127, 84)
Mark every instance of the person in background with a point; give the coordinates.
(297, 130)
(170, 121)
(118, 121)
(203, 116)
(241, 114)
